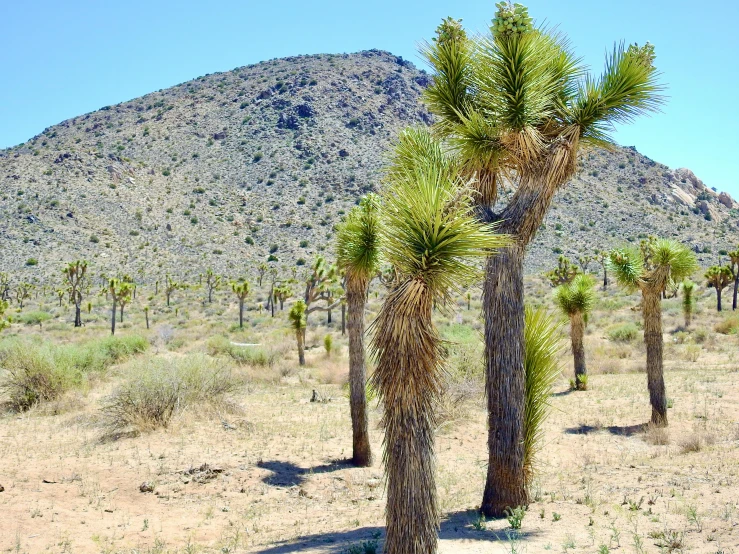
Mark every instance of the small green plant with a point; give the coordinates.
(478, 524)
(625, 332)
(556, 516)
(515, 516)
(328, 343)
(364, 547)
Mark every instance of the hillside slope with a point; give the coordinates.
(224, 170)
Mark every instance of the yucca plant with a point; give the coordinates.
(734, 264)
(576, 299)
(431, 237)
(688, 301)
(358, 252)
(241, 290)
(649, 270)
(719, 277)
(76, 277)
(298, 322)
(542, 340)
(517, 105)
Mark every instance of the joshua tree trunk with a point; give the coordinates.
(343, 319)
(146, 315)
(77, 315)
(112, 321)
(605, 277)
(241, 314)
(504, 327)
(300, 336)
(168, 295)
(356, 295)
(653, 340)
(718, 298)
(122, 313)
(328, 317)
(407, 377)
(736, 288)
(577, 330)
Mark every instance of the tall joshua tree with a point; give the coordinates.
(431, 237)
(734, 264)
(602, 258)
(518, 105)
(576, 300)
(719, 277)
(120, 292)
(241, 290)
(688, 301)
(358, 255)
(298, 323)
(76, 278)
(650, 270)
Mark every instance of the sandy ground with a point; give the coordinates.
(274, 481)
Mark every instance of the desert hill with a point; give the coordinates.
(259, 163)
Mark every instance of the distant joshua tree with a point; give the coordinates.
(77, 281)
(212, 282)
(261, 270)
(649, 270)
(688, 301)
(564, 273)
(120, 292)
(719, 277)
(358, 253)
(734, 264)
(297, 320)
(170, 285)
(241, 290)
(576, 300)
(602, 258)
(23, 292)
(281, 293)
(4, 286)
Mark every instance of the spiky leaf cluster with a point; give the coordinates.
(297, 315)
(357, 238)
(657, 263)
(719, 277)
(577, 296)
(511, 19)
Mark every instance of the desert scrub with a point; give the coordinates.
(34, 318)
(727, 326)
(625, 332)
(155, 390)
(244, 355)
(34, 372)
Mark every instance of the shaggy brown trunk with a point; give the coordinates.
(241, 314)
(736, 288)
(168, 295)
(77, 315)
(112, 321)
(605, 277)
(343, 319)
(146, 315)
(577, 331)
(718, 298)
(407, 378)
(122, 306)
(652, 311)
(300, 336)
(356, 296)
(503, 310)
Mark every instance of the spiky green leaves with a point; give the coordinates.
(542, 347)
(429, 230)
(662, 261)
(577, 296)
(688, 301)
(357, 239)
(240, 289)
(3, 322)
(719, 277)
(297, 315)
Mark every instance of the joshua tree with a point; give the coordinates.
(282, 293)
(146, 315)
(431, 236)
(261, 270)
(575, 300)
(212, 282)
(130, 293)
(517, 103)
(649, 270)
(76, 278)
(357, 253)
(688, 301)
(564, 273)
(120, 292)
(734, 264)
(60, 293)
(170, 285)
(241, 290)
(319, 287)
(4, 286)
(23, 292)
(602, 258)
(297, 320)
(3, 307)
(719, 277)
(584, 262)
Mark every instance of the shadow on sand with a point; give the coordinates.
(620, 430)
(454, 526)
(287, 474)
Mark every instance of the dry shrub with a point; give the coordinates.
(656, 435)
(691, 443)
(624, 332)
(728, 326)
(156, 390)
(609, 367)
(692, 352)
(255, 356)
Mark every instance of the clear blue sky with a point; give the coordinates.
(62, 59)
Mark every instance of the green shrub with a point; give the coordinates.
(31, 261)
(728, 326)
(34, 318)
(625, 332)
(157, 389)
(245, 355)
(328, 344)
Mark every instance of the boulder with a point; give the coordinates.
(726, 200)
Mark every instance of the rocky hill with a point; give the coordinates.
(259, 163)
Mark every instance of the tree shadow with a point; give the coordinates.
(288, 474)
(619, 430)
(454, 526)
